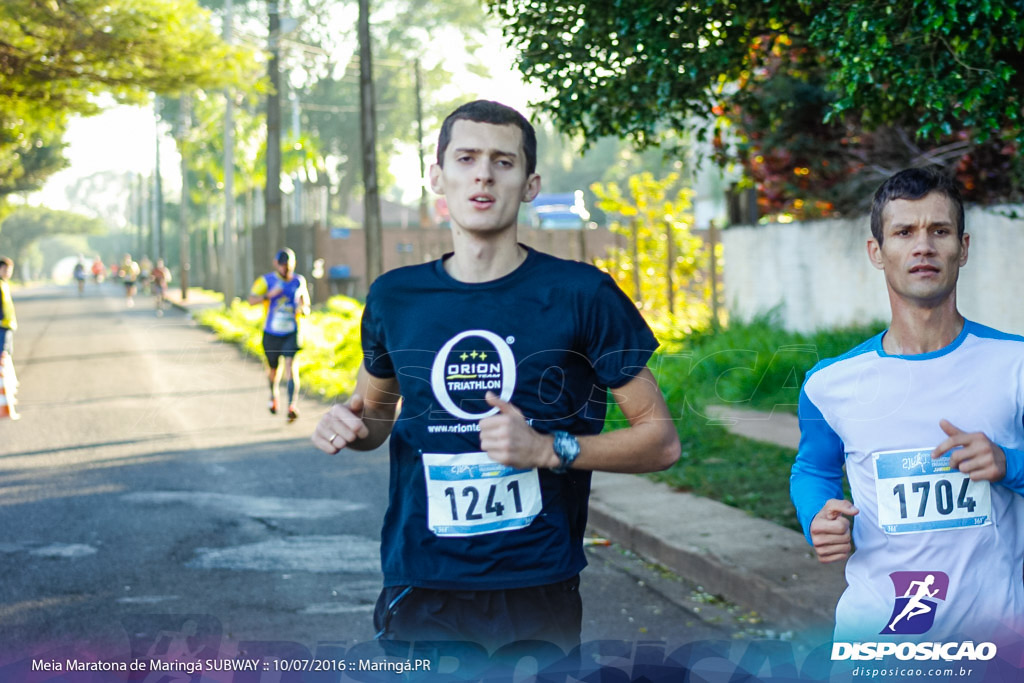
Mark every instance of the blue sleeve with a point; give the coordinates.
(817, 474)
(1014, 478)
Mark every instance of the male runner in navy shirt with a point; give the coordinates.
(502, 357)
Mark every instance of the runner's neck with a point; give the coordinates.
(478, 260)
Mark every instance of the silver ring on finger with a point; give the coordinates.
(331, 440)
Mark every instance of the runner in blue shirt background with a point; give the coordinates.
(285, 298)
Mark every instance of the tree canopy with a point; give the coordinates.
(941, 65)
(57, 58)
(804, 94)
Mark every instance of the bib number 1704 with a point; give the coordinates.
(942, 500)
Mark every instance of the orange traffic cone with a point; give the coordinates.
(8, 385)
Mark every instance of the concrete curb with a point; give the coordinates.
(748, 561)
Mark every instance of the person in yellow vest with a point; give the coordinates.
(8, 324)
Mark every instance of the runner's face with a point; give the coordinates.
(920, 254)
(285, 269)
(484, 176)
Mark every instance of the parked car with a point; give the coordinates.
(559, 211)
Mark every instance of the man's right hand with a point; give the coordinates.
(340, 426)
(830, 530)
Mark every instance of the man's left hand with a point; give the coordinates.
(508, 439)
(975, 454)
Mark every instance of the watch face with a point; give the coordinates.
(567, 448)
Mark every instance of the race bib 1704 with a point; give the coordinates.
(919, 493)
(470, 494)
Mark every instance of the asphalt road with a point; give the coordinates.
(147, 497)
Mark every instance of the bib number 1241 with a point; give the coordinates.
(470, 494)
(491, 506)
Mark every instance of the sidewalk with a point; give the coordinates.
(748, 561)
(751, 562)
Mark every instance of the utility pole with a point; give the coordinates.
(670, 258)
(183, 241)
(713, 265)
(229, 255)
(368, 128)
(635, 254)
(138, 202)
(145, 209)
(272, 195)
(158, 194)
(297, 177)
(424, 214)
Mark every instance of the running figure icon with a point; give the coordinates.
(917, 591)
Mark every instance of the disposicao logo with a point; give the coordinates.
(919, 596)
(917, 599)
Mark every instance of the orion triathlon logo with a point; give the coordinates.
(468, 366)
(918, 595)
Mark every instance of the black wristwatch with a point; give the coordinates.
(567, 448)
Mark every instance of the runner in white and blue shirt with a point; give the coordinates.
(878, 415)
(285, 299)
(927, 419)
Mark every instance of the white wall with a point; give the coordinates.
(819, 275)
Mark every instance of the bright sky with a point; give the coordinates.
(120, 139)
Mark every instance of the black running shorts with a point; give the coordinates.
(274, 347)
(552, 613)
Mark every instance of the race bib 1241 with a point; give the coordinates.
(918, 493)
(470, 494)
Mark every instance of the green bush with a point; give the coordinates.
(754, 364)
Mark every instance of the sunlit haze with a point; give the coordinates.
(123, 138)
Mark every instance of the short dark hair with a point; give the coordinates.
(486, 111)
(285, 256)
(6, 261)
(915, 183)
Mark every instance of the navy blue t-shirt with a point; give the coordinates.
(551, 338)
